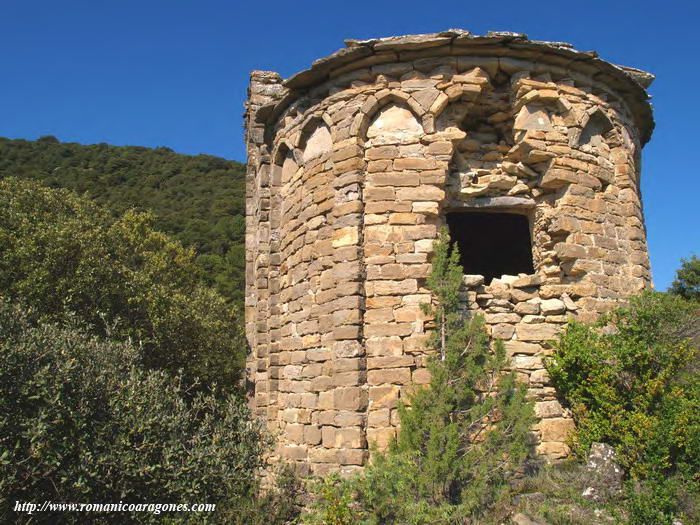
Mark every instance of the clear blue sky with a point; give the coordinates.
(174, 73)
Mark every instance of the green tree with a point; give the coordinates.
(82, 421)
(461, 437)
(194, 199)
(62, 253)
(687, 281)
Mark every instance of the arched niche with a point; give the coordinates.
(285, 166)
(595, 126)
(316, 140)
(394, 124)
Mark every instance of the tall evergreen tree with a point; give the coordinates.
(460, 437)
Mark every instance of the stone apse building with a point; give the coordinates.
(528, 151)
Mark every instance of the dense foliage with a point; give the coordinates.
(631, 380)
(461, 437)
(81, 421)
(687, 281)
(62, 253)
(199, 200)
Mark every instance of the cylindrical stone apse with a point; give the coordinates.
(529, 152)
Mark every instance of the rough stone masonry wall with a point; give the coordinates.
(352, 166)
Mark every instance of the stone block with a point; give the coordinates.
(521, 347)
(385, 396)
(421, 376)
(390, 362)
(536, 332)
(501, 318)
(567, 251)
(539, 377)
(351, 378)
(414, 163)
(527, 308)
(382, 152)
(548, 409)
(420, 193)
(295, 433)
(352, 456)
(380, 437)
(502, 331)
(556, 429)
(312, 435)
(526, 362)
(349, 398)
(400, 376)
(552, 306)
(553, 450)
(348, 348)
(388, 329)
(294, 452)
(528, 281)
(394, 179)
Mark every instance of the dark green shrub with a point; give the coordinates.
(80, 421)
(61, 253)
(652, 502)
(631, 381)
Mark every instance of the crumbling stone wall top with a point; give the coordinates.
(514, 51)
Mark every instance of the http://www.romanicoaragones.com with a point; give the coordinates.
(29, 507)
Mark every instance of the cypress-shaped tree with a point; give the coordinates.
(460, 436)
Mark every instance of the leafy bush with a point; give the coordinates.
(198, 200)
(631, 381)
(461, 437)
(80, 421)
(62, 253)
(652, 502)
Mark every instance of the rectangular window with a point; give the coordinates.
(492, 244)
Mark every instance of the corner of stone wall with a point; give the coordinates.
(264, 91)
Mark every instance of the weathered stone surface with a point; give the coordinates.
(536, 332)
(528, 280)
(556, 429)
(545, 409)
(524, 519)
(394, 123)
(383, 396)
(521, 347)
(606, 474)
(552, 306)
(471, 281)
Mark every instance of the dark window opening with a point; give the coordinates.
(492, 244)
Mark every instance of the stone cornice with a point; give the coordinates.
(628, 83)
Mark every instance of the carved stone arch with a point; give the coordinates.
(380, 103)
(594, 126)
(535, 111)
(285, 163)
(460, 98)
(453, 115)
(315, 138)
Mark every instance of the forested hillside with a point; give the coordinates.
(200, 200)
